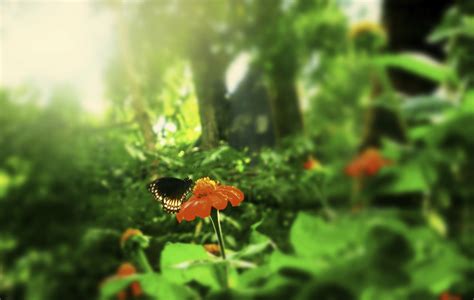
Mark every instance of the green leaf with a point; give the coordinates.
(252, 250)
(417, 64)
(152, 285)
(409, 178)
(280, 260)
(114, 286)
(424, 107)
(259, 242)
(311, 236)
(182, 263)
(463, 27)
(468, 102)
(438, 265)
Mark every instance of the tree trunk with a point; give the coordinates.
(250, 113)
(209, 74)
(285, 106)
(138, 106)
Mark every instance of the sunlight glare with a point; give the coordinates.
(237, 71)
(52, 43)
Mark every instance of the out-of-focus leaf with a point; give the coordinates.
(424, 107)
(438, 264)
(311, 236)
(436, 222)
(468, 102)
(114, 286)
(177, 264)
(252, 249)
(456, 25)
(280, 260)
(408, 178)
(417, 64)
(153, 285)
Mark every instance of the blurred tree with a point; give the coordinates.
(270, 30)
(282, 37)
(134, 85)
(206, 49)
(250, 114)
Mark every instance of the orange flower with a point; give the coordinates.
(367, 163)
(311, 164)
(449, 296)
(128, 234)
(207, 194)
(127, 269)
(212, 248)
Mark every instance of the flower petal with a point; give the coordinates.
(186, 211)
(202, 208)
(232, 194)
(194, 207)
(217, 201)
(207, 194)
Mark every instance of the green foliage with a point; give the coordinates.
(70, 183)
(182, 263)
(372, 255)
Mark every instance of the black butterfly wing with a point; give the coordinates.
(171, 192)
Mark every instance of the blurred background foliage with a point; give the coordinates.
(277, 98)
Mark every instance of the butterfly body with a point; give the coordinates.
(171, 192)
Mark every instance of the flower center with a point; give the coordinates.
(204, 186)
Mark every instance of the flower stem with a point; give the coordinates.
(216, 224)
(324, 201)
(222, 270)
(142, 261)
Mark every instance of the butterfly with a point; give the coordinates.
(171, 192)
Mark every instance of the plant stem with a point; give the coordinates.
(324, 201)
(216, 224)
(222, 271)
(142, 261)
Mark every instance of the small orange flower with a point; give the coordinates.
(449, 296)
(207, 194)
(367, 163)
(212, 248)
(128, 234)
(127, 269)
(311, 164)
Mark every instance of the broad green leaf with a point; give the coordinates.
(424, 107)
(182, 263)
(440, 271)
(113, 287)
(438, 264)
(312, 236)
(252, 249)
(249, 277)
(409, 178)
(258, 243)
(153, 285)
(417, 64)
(280, 260)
